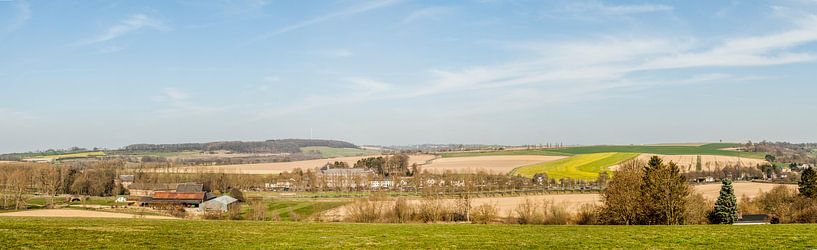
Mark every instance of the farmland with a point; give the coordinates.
(584, 166)
(72, 155)
(130, 233)
(492, 164)
(279, 167)
(327, 152)
(706, 149)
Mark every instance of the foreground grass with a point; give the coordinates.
(585, 166)
(128, 233)
(706, 149)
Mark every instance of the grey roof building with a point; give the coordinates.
(218, 204)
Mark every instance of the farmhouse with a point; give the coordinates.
(163, 199)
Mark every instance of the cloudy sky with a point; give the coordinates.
(112, 73)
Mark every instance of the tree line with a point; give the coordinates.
(269, 146)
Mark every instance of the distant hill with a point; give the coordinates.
(269, 146)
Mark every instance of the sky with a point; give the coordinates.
(114, 73)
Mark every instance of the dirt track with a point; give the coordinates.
(492, 164)
(72, 213)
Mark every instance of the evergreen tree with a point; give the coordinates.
(664, 190)
(726, 208)
(808, 183)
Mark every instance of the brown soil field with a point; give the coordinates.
(708, 162)
(279, 167)
(491, 164)
(76, 214)
(572, 202)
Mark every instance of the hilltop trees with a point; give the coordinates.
(808, 183)
(726, 208)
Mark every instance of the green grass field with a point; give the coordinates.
(707, 149)
(304, 209)
(62, 233)
(506, 152)
(584, 166)
(328, 152)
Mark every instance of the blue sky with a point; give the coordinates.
(112, 73)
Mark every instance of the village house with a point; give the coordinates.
(125, 180)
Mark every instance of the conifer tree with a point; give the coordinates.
(726, 208)
(808, 183)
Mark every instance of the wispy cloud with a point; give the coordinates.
(354, 10)
(22, 17)
(177, 101)
(171, 94)
(426, 13)
(126, 26)
(333, 53)
(571, 71)
(598, 10)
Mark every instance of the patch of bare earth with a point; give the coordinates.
(72, 213)
(491, 164)
(279, 167)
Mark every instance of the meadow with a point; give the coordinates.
(584, 166)
(66, 233)
(706, 149)
(328, 152)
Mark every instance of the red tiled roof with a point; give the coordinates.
(178, 196)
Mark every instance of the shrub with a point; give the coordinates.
(213, 215)
(401, 211)
(748, 206)
(432, 209)
(588, 214)
(778, 202)
(484, 214)
(698, 209)
(555, 214)
(258, 210)
(527, 212)
(364, 211)
(234, 211)
(178, 212)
